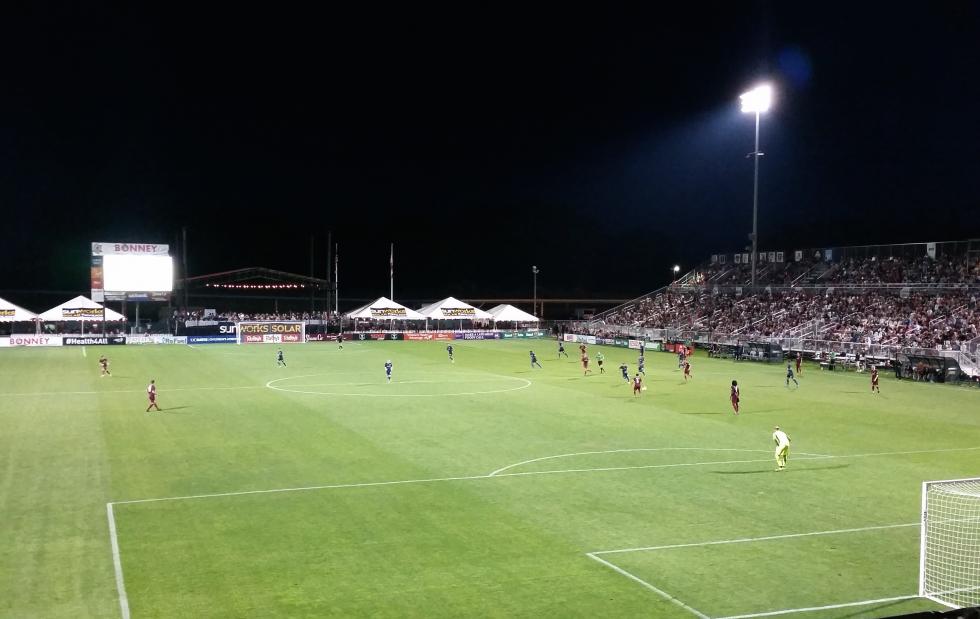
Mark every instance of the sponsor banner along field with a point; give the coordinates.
(271, 332)
(93, 340)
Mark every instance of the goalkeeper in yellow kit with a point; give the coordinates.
(782, 447)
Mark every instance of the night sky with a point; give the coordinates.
(602, 147)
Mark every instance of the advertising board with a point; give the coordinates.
(272, 332)
(33, 340)
(477, 335)
(458, 312)
(93, 340)
(211, 339)
(82, 313)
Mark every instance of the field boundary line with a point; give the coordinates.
(644, 583)
(519, 474)
(117, 563)
(787, 611)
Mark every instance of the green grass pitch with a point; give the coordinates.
(476, 489)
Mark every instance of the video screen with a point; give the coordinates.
(138, 273)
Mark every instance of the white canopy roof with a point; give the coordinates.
(13, 313)
(78, 309)
(509, 313)
(453, 309)
(385, 309)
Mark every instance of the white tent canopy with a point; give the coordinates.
(453, 309)
(80, 308)
(385, 309)
(14, 313)
(509, 313)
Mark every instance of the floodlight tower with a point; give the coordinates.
(756, 101)
(676, 269)
(534, 272)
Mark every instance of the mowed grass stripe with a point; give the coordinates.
(214, 440)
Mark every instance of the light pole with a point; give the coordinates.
(534, 272)
(676, 270)
(756, 101)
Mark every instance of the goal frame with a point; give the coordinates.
(923, 522)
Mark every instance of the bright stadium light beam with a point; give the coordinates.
(756, 101)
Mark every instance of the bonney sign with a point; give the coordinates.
(31, 340)
(142, 249)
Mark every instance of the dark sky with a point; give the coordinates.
(601, 146)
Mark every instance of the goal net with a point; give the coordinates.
(949, 560)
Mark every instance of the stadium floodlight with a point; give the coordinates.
(756, 101)
(676, 269)
(949, 560)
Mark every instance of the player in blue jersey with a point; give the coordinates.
(279, 359)
(449, 349)
(534, 360)
(641, 368)
(625, 371)
(790, 377)
(388, 370)
(561, 349)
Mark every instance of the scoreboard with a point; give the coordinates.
(131, 272)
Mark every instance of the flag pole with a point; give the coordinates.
(391, 264)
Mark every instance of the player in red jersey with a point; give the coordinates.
(585, 365)
(735, 396)
(151, 393)
(874, 379)
(687, 370)
(582, 349)
(104, 364)
(637, 385)
(799, 363)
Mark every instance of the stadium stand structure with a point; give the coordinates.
(892, 302)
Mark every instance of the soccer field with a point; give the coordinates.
(480, 488)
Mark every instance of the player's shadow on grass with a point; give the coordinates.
(789, 470)
(173, 409)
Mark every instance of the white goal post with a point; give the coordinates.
(949, 555)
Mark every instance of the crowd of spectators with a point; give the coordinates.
(847, 272)
(923, 270)
(918, 319)
(183, 316)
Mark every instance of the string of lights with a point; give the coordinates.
(257, 286)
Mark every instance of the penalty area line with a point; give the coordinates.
(658, 591)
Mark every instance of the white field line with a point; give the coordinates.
(394, 382)
(745, 540)
(117, 563)
(84, 354)
(774, 613)
(59, 393)
(288, 389)
(499, 475)
(659, 592)
(613, 451)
